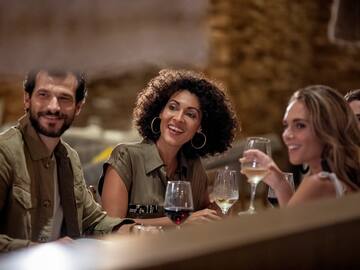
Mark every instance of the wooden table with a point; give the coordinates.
(318, 235)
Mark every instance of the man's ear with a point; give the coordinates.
(78, 107)
(26, 101)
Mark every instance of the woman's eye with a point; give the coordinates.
(172, 107)
(300, 125)
(191, 115)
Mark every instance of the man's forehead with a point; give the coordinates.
(67, 79)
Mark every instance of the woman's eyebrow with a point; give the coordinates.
(300, 120)
(190, 107)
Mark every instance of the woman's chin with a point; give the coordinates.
(295, 161)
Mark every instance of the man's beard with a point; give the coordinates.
(34, 119)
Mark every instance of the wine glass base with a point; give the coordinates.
(247, 212)
(224, 212)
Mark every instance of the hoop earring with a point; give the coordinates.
(152, 125)
(203, 144)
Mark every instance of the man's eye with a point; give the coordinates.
(65, 98)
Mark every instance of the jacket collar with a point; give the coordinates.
(37, 148)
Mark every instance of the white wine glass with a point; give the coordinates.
(226, 189)
(178, 203)
(253, 170)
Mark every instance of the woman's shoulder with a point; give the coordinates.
(311, 188)
(133, 148)
(317, 185)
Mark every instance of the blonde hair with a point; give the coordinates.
(335, 125)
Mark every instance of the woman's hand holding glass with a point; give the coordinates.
(254, 169)
(178, 205)
(203, 216)
(274, 178)
(273, 173)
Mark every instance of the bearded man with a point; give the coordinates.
(43, 196)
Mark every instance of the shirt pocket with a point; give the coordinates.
(23, 197)
(21, 214)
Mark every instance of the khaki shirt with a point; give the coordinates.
(27, 190)
(142, 170)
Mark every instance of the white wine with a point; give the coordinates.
(225, 204)
(254, 175)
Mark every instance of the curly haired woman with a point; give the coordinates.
(320, 131)
(181, 116)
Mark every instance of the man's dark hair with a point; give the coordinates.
(352, 95)
(81, 91)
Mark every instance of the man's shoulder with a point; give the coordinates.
(70, 150)
(11, 138)
(10, 133)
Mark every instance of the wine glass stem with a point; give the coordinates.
(252, 198)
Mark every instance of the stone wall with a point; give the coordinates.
(120, 45)
(265, 50)
(111, 98)
(11, 98)
(100, 37)
(261, 50)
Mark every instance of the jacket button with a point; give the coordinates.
(46, 203)
(47, 165)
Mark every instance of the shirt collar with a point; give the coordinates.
(152, 157)
(153, 160)
(37, 148)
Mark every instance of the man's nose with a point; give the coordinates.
(54, 105)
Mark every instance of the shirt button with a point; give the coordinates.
(47, 165)
(46, 203)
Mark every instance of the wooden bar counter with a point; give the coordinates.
(317, 235)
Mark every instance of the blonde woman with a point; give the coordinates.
(320, 131)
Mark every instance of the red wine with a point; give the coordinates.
(178, 216)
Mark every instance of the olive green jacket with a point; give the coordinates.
(27, 191)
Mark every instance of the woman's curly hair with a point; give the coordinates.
(218, 122)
